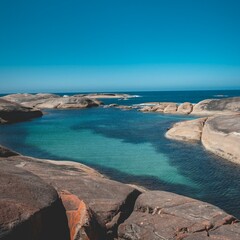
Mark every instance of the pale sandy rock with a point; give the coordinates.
(69, 102)
(146, 109)
(162, 106)
(30, 100)
(221, 135)
(200, 108)
(171, 108)
(187, 130)
(217, 106)
(185, 108)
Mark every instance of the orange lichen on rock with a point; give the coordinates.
(77, 215)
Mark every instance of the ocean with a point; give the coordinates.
(130, 146)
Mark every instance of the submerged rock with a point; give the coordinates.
(187, 131)
(11, 112)
(163, 215)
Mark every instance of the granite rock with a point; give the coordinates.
(30, 209)
(187, 130)
(185, 108)
(108, 207)
(161, 215)
(221, 135)
(11, 112)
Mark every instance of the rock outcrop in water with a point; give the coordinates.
(219, 134)
(11, 112)
(42, 199)
(205, 107)
(46, 100)
(187, 131)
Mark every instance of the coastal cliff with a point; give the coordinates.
(68, 200)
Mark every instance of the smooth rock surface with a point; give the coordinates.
(111, 202)
(30, 100)
(69, 102)
(217, 106)
(185, 108)
(221, 135)
(187, 130)
(11, 112)
(163, 215)
(30, 209)
(171, 108)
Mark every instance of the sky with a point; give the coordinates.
(119, 45)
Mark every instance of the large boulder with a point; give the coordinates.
(69, 102)
(110, 202)
(221, 135)
(171, 108)
(185, 108)
(30, 100)
(30, 209)
(13, 112)
(47, 100)
(217, 106)
(187, 130)
(162, 215)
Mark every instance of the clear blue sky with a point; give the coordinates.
(115, 45)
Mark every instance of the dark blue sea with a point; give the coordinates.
(129, 146)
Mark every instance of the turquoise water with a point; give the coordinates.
(129, 146)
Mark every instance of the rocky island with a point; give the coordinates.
(44, 199)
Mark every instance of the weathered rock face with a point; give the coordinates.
(221, 135)
(187, 130)
(5, 152)
(206, 107)
(69, 102)
(30, 100)
(96, 208)
(162, 215)
(13, 112)
(47, 100)
(171, 108)
(185, 108)
(104, 95)
(160, 107)
(217, 106)
(30, 209)
(110, 202)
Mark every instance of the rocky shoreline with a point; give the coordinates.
(43, 199)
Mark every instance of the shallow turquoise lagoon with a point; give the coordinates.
(129, 146)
